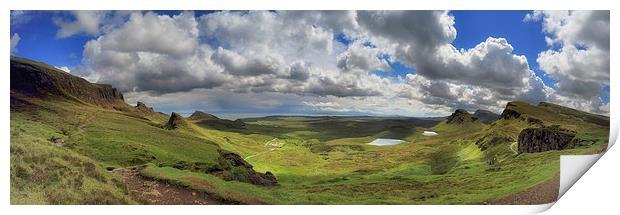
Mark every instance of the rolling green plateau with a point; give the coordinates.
(277, 159)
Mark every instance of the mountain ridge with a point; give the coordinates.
(41, 80)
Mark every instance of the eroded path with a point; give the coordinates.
(153, 192)
(542, 193)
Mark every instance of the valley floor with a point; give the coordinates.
(315, 160)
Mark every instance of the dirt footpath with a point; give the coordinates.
(542, 193)
(152, 192)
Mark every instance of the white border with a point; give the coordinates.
(577, 197)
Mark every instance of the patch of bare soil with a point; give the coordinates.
(153, 192)
(542, 193)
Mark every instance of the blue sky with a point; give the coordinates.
(527, 38)
(39, 41)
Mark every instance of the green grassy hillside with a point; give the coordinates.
(97, 137)
(316, 160)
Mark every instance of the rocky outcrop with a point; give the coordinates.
(175, 121)
(510, 111)
(486, 116)
(40, 80)
(143, 108)
(230, 167)
(547, 138)
(460, 116)
(235, 168)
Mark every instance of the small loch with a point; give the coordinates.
(385, 142)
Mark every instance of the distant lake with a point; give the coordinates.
(385, 142)
(430, 133)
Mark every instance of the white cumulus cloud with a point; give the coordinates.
(297, 56)
(14, 41)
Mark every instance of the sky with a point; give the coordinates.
(255, 63)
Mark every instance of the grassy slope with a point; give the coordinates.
(97, 138)
(400, 174)
(42, 173)
(309, 170)
(322, 160)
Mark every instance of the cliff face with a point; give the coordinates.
(510, 112)
(545, 138)
(40, 80)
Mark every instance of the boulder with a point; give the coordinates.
(546, 138)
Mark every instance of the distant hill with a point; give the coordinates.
(460, 116)
(486, 116)
(211, 121)
(549, 113)
(547, 122)
(199, 115)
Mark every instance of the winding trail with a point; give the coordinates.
(512, 147)
(153, 192)
(268, 145)
(257, 154)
